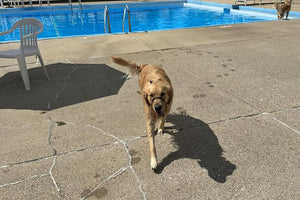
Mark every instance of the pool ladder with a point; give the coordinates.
(79, 2)
(126, 8)
(106, 18)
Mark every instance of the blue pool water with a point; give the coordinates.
(61, 21)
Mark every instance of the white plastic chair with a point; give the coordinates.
(29, 29)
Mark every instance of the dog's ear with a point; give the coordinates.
(145, 96)
(170, 93)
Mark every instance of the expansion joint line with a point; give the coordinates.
(52, 125)
(51, 174)
(285, 125)
(34, 176)
(282, 123)
(135, 38)
(63, 85)
(121, 170)
(23, 180)
(40, 175)
(269, 114)
(117, 173)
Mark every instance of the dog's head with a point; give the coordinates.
(288, 2)
(158, 96)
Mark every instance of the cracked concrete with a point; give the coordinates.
(233, 132)
(124, 143)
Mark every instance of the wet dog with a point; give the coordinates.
(283, 9)
(157, 96)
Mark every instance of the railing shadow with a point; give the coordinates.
(195, 140)
(69, 84)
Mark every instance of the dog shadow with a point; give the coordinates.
(195, 140)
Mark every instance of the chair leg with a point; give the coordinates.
(24, 71)
(43, 65)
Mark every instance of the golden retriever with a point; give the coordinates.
(283, 9)
(157, 96)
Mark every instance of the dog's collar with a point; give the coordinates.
(157, 98)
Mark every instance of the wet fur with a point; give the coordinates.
(156, 91)
(283, 9)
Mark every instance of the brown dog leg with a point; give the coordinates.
(161, 126)
(150, 130)
(287, 14)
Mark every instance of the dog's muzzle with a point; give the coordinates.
(158, 107)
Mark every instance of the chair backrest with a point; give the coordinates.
(29, 29)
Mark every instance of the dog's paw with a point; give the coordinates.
(160, 131)
(153, 164)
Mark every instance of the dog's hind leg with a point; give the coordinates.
(150, 131)
(280, 15)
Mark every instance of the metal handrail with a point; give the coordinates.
(70, 3)
(124, 14)
(106, 15)
(79, 2)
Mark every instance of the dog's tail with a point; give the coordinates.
(133, 67)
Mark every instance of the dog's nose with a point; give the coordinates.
(157, 108)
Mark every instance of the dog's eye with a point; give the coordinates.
(151, 95)
(162, 94)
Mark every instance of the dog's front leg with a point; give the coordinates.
(287, 14)
(150, 131)
(161, 126)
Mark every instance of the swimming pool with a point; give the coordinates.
(62, 21)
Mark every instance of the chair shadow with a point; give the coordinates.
(195, 140)
(69, 84)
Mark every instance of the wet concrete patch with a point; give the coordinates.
(86, 169)
(179, 108)
(136, 160)
(96, 176)
(85, 192)
(98, 193)
(132, 152)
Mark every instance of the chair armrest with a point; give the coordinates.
(30, 35)
(9, 31)
(33, 34)
(6, 32)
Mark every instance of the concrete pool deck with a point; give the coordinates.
(233, 132)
